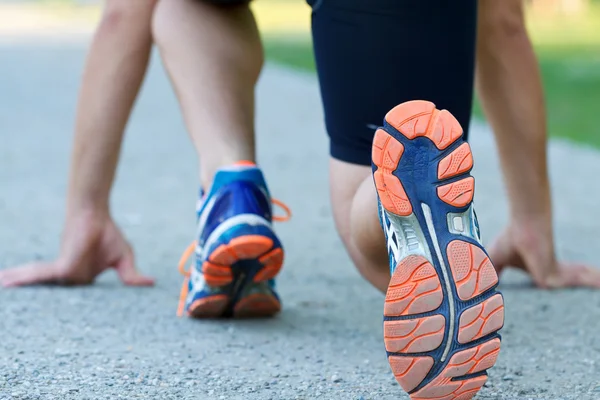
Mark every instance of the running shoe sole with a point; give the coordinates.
(442, 312)
(243, 261)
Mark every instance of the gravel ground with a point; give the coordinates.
(107, 341)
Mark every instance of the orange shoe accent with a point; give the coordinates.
(241, 248)
(184, 287)
(481, 320)
(414, 335)
(410, 371)
(257, 305)
(386, 154)
(288, 212)
(245, 163)
(217, 275)
(459, 193)
(456, 163)
(414, 288)
(446, 130)
(217, 270)
(209, 307)
(412, 118)
(471, 268)
(420, 118)
(470, 361)
(272, 262)
(386, 150)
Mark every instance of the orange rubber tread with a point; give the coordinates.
(414, 288)
(241, 248)
(459, 193)
(217, 270)
(410, 371)
(217, 275)
(470, 361)
(456, 163)
(386, 154)
(414, 335)
(481, 320)
(272, 262)
(420, 118)
(472, 269)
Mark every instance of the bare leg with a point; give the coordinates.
(509, 85)
(113, 74)
(214, 57)
(355, 213)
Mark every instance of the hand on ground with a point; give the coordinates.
(532, 251)
(90, 246)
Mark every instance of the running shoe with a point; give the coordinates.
(442, 312)
(237, 253)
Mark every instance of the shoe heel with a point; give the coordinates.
(265, 252)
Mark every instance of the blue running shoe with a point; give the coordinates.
(237, 254)
(442, 312)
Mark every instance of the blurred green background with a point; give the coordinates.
(566, 35)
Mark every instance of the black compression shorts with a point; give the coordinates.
(374, 54)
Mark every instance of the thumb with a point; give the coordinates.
(127, 272)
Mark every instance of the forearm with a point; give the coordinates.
(510, 90)
(113, 74)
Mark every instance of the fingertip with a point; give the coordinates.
(6, 284)
(546, 283)
(141, 281)
(145, 281)
(10, 283)
(5, 280)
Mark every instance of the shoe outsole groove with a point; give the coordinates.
(417, 326)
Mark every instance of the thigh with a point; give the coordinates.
(374, 54)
